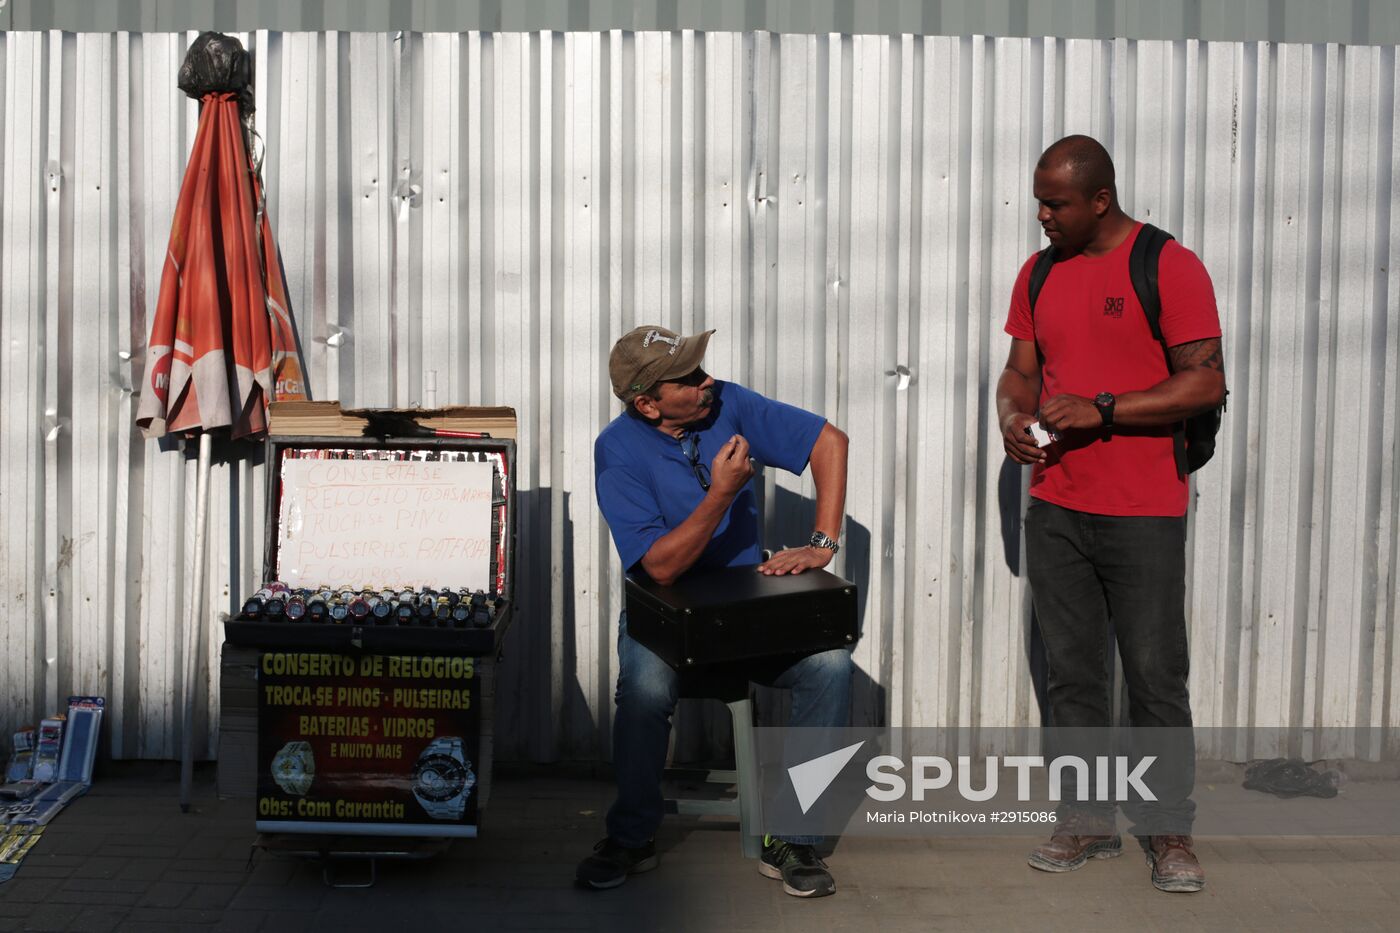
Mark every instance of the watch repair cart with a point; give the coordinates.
(370, 647)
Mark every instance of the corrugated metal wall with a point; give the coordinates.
(474, 217)
(1358, 22)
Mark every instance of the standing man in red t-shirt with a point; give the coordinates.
(1106, 528)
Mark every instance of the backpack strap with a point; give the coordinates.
(1143, 264)
(1039, 273)
(1142, 269)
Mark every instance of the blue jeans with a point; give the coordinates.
(647, 688)
(1087, 571)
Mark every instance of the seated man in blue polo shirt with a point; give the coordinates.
(673, 483)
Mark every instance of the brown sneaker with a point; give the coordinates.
(1069, 848)
(1175, 868)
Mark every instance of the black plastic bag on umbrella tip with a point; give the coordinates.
(216, 63)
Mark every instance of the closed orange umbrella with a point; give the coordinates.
(222, 344)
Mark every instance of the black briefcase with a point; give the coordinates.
(739, 614)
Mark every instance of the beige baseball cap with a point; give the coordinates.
(650, 354)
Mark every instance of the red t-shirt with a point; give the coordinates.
(1093, 337)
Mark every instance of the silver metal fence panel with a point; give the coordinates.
(22, 330)
(1375, 22)
(474, 218)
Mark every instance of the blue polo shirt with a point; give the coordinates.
(646, 486)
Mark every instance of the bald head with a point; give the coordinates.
(1079, 209)
(1086, 161)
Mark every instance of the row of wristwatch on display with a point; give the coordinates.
(277, 602)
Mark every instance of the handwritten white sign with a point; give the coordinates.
(385, 524)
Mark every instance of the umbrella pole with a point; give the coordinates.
(195, 636)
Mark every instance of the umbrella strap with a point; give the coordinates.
(255, 160)
(255, 165)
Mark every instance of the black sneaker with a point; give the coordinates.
(610, 864)
(802, 873)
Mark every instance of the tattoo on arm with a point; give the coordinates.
(1204, 354)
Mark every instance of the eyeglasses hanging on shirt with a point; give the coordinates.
(690, 446)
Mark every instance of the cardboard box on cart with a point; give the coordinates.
(373, 727)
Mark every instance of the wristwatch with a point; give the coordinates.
(443, 779)
(294, 768)
(1104, 402)
(820, 539)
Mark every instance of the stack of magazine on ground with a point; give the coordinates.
(48, 767)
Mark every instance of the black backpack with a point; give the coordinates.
(1195, 437)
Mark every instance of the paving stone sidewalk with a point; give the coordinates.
(125, 858)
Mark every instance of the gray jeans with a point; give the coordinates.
(1089, 571)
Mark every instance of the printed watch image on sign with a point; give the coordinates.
(443, 779)
(372, 745)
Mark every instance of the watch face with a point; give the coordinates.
(293, 768)
(439, 777)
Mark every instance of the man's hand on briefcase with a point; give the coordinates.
(731, 468)
(796, 560)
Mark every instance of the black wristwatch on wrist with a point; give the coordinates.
(1104, 402)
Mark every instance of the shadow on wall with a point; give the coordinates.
(1011, 508)
(541, 711)
(226, 455)
(540, 720)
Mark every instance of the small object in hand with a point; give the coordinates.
(1043, 438)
